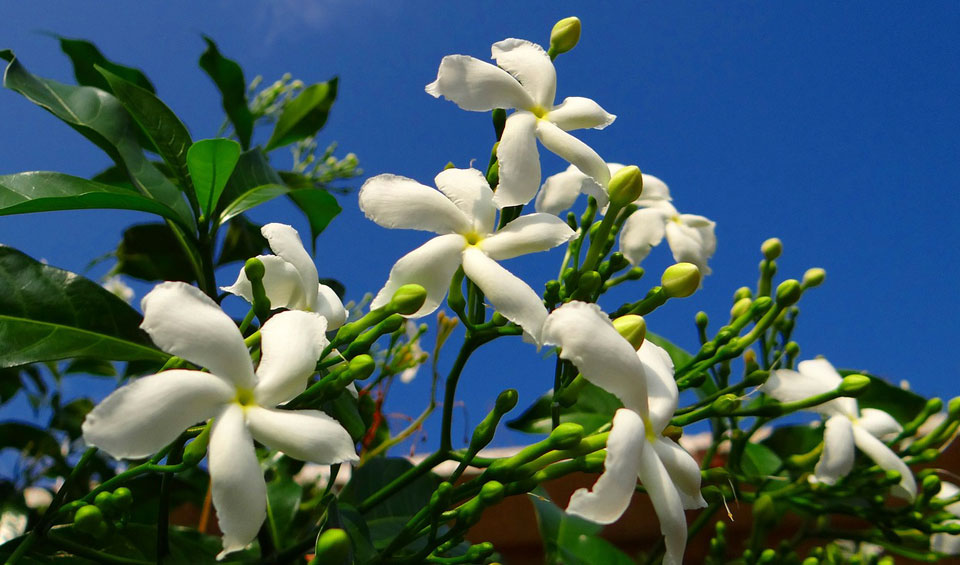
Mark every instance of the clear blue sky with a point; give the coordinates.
(830, 125)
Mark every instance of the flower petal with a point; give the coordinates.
(821, 370)
(573, 150)
(691, 245)
(509, 295)
(431, 265)
(838, 451)
(398, 202)
(185, 322)
(561, 190)
(281, 283)
(285, 243)
(587, 338)
(140, 418)
(330, 307)
(888, 460)
(518, 161)
(642, 231)
(609, 497)
(668, 506)
(947, 544)
(307, 435)
(236, 482)
(683, 469)
(947, 491)
(290, 342)
(527, 234)
(469, 191)
(662, 392)
(577, 112)
(531, 65)
(816, 377)
(654, 191)
(878, 422)
(477, 85)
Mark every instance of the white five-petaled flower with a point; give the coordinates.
(464, 215)
(525, 80)
(139, 419)
(561, 190)
(290, 278)
(942, 542)
(643, 381)
(847, 426)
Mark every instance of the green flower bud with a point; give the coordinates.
(854, 385)
(764, 511)
(756, 378)
(407, 299)
(551, 292)
(565, 436)
(811, 561)
(726, 404)
(617, 261)
(254, 269)
(625, 186)
(930, 485)
(762, 304)
(771, 248)
(361, 367)
(491, 493)
(122, 499)
(479, 552)
(633, 328)
(768, 556)
(792, 349)
(589, 282)
(564, 35)
(498, 319)
(333, 547)
(680, 280)
(788, 292)
(568, 396)
(506, 401)
(892, 476)
(196, 450)
(953, 408)
(673, 432)
(88, 519)
(814, 277)
(741, 293)
(702, 320)
(741, 307)
(104, 502)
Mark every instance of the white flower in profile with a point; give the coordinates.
(290, 278)
(526, 81)
(141, 418)
(561, 190)
(643, 381)
(942, 542)
(846, 427)
(464, 215)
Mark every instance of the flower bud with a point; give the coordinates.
(625, 186)
(88, 519)
(762, 304)
(569, 394)
(564, 35)
(792, 349)
(788, 292)
(254, 269)
(479, 552)
(408, 299)
(741, 293)
(771, 248)
(953, 408)
(491, 492)
(104, 502)
(814, 277)
(930, 485)
(726, 404)
(588, 283)
(565, 436)
(122, 498)
(506, 401)
(361, 367)
(854, 385)
(741, 307)
(195, 451)
(764, 511)
(680, 280)
(892, 476)
(701, 319)
(756, 378)
(333, 546)
(633, 328)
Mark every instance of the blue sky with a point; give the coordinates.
(829, 125)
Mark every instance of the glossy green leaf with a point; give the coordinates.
(346, 517)
(320, 208)
(211, 162)
(99, 117)
(150, 252)
(367, 479)
(792, 440)
(159, 123)
(48, 314)
(242, 241)
(570, 540)
(228, 76)
(251, 199)
(85, 56)
(253, 169)
(902, 404)
(283, 500)
(42, 191)
(594, 408)
(759, 460)
(304, 115)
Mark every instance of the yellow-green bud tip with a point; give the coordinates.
(741, 293)
(788, 292)
(741, 307)
(931, 485)
(632, 328)
(333, 546)
(814, 277)
(953, 408)
(491, 492)
(565, 436)
(625, 186)
(771, 248)
(565, 35)
(506, 401)
(726, 404)
(680, 280)
(254, 269)
(854, 385)
(408, 299)
(361, 367)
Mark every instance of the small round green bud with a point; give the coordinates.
(633, 328)
(892, 476)
(811, 561)
(764, 510)
(566, 436)
(88, 519)
(702, 319)
(814, 277)
(771, 248)
(618, 261)
(726, 404)
(333, 547)
(480, 551)
(196, 450)
(756, 378)
(792, 349)
(741, 293)
(680, 280)
(741, 307)
(953, 408)
(768, 556)
(498, 319)
(788, 292)
(933, 406)
(122, 498)
(506, 401)
(491, 492)
(762, 304)
(673, 432)
(930, 485)
(361, 367)
(104, 502)
(854, 385)
(564, 35)
(625, 186)
(408, 299)
(254, 269)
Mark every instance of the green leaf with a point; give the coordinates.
(251, 199)
(283, 500)
(304, 115)
(30, 440)
(569, 540)
(99, 117)
(595, 407)
(150, 252)
(85, 57)
(377, 472)
(243, 241)
(319, 206)
(211, 162)
(48, 314)
(41, 191)
(69, 417)
(158, 122)
(793, 440)
(228, 76)
(252, 170)
(759, 460)
(903, 405)
(349, 519)
(344, 409)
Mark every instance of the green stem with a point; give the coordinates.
(402, 481)
(599, 239)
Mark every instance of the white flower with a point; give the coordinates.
(525, 80)
(139, 419)
(942, 542)
(643, 381)
(465, 216)
(290, 279)
(415, 352)
(847, 426)
(561, 190)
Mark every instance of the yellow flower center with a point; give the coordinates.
(473, 237)
(539, 111)
(675, 218)
(648, 429)
(245, 397)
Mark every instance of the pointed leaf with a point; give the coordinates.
(571, 540)
(150, 252)
(251, 199)
(283, 500)
(211, 161)
(228, 76)
(252, 170)
(759, 461)
(304, 115)
(243, 241)
(594, 408)
(85, 56)
(319, 206)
